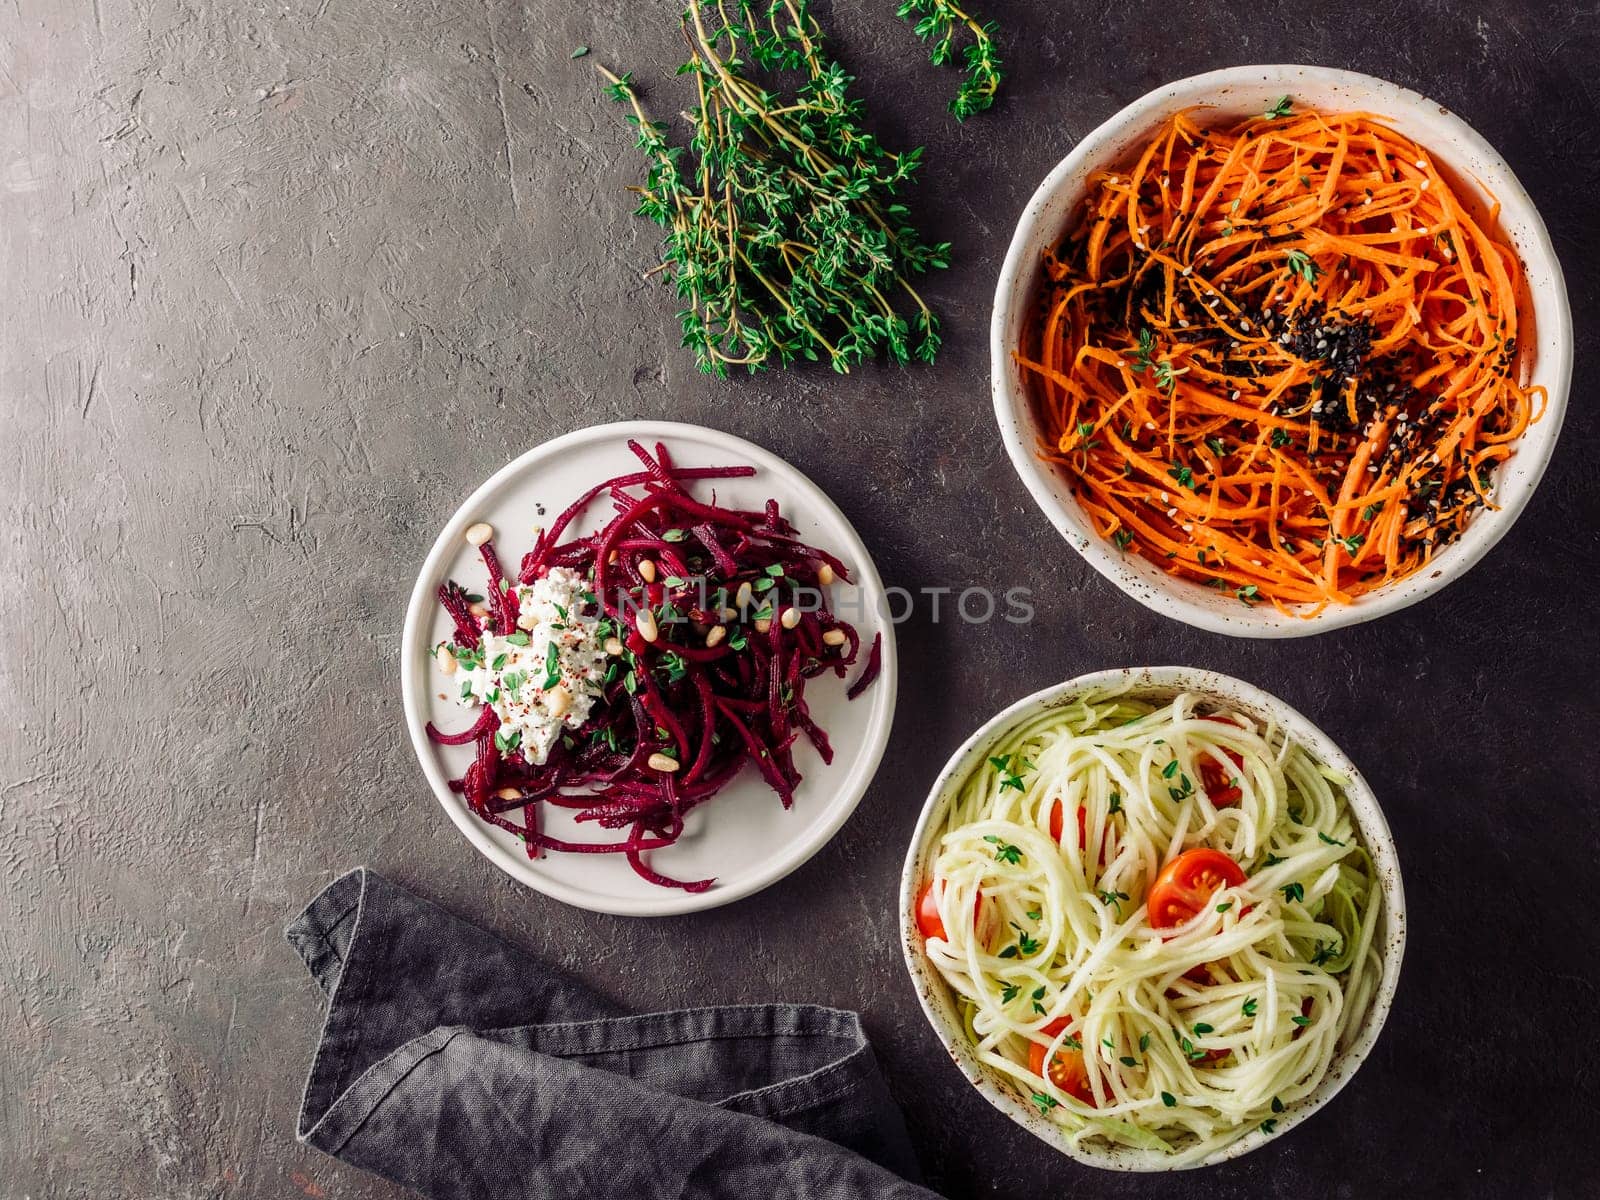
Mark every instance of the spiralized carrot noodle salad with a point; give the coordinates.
(1281, 357)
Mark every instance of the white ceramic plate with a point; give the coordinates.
(1156, 683)
(743, 837)
(1238, 92)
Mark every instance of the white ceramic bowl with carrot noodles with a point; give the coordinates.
(1302, 413)
(1203, 958)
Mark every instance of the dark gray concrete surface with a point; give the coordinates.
(284, 280)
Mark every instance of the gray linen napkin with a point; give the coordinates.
(459, 1066)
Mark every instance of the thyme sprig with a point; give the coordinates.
(783, 235)
(939, 23)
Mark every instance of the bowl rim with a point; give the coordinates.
(852, 779)
(1168, 681)
(1179, 599)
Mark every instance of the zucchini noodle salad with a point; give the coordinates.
(1168, 903)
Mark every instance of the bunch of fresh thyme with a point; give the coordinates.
(939, 22)
(783, 235)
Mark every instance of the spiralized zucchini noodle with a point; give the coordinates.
(1065, 912)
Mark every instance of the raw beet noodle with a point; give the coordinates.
(710, 708)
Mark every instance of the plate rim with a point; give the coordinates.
(419, 611)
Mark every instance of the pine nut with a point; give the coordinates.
(742, 598)
(763, 624)
(714, 638)
(646, 623)
(478, 610)
(560, 702)
(480, 533)
(664, 763)
(446, 660)
(790, 618)
(825, 575)
(647, 570)
(834, 637)
(729, 614)
(509, 793)
(527, 620)
(613, 647)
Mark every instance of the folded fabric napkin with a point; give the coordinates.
(459, 1066)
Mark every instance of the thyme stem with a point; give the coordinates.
(784, 236)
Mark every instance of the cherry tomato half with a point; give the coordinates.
(929, 923)
(1067, 1068)
(1214, 779)
(1187, 883)
(1058, 822)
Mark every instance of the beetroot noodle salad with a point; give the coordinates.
(628, 674)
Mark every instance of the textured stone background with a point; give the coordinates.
(283, 281)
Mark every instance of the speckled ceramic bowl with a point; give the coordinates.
(1155, 683)
(1240, 92)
